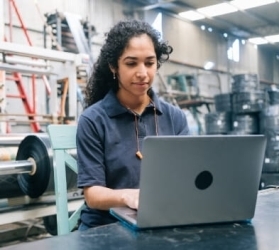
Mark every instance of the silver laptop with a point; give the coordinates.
(188, 180)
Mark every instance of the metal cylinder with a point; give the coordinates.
(39, 177)
(218, 122)
(16, 167)
(11, 139)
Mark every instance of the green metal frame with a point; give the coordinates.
(63, 138)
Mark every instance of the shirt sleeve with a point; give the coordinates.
(90, 154)
(181, 124)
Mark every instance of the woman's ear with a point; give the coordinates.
(112, 69)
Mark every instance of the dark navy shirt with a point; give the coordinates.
(107, 145)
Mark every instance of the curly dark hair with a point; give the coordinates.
(101, 79)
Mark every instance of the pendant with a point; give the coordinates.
(139, 155)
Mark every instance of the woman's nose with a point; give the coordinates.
(141, 72)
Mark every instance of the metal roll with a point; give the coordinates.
(248, 102)
(8, 151)
(272, 144)
(245, 124)
(245, 77)
(273, 96)
(245, 83)
(223, 102)
(217, 123)
(271, 165)
(38, 149)
(270, 119)
(9, 187)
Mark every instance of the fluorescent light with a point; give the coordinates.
(203, 27)
(273, 39)
(191, 15)
(217, 9)
(209, 65)
(258, 40)
(248, 4)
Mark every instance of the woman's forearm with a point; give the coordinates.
(103, 198)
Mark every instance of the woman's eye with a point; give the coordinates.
(150, 63)
(131, 64)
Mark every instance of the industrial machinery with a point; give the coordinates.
(27, 183)
(26, 170)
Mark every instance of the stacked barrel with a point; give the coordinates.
(248, 109)
(237, 112)
(270, 127)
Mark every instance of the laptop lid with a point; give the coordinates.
(189, 180)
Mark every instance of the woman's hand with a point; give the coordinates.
(131, 198)
(104, 198)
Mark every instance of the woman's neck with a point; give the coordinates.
(135, 104)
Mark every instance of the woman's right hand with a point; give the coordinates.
(131, 198)
(104, 198)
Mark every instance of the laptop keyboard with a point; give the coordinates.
(132, 215)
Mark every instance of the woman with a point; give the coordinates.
(121, 109)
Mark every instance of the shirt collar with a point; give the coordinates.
(113, 107)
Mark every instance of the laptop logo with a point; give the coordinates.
(203, 180)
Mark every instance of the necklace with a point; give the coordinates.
(138, 153)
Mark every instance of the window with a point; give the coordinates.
(233, 51)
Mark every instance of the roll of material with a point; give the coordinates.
(9, 187)
(248, 102)
(272, 146)
(38, 148)
(273, 97)
(245, 83)
(271, 165)
(40, 181)
(217, 123)
(245, 77)
(223, 102)
(245, 124)
(270, 119)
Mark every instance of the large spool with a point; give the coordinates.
(248, 102)
(245, 83)
(217, 123)
(223, 102)
(8, 151)
(273, 96)
(40, 181)
(245, 123)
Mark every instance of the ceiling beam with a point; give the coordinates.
(231, 28)
(159, 4)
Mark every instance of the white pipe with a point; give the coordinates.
(14, 60)
(2, 25)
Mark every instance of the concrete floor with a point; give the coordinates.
(21, 232)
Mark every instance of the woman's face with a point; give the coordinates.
(137, 66)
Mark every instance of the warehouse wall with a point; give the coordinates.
(101, 14)
(192, 46)
(1, 19)
(268, 64)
